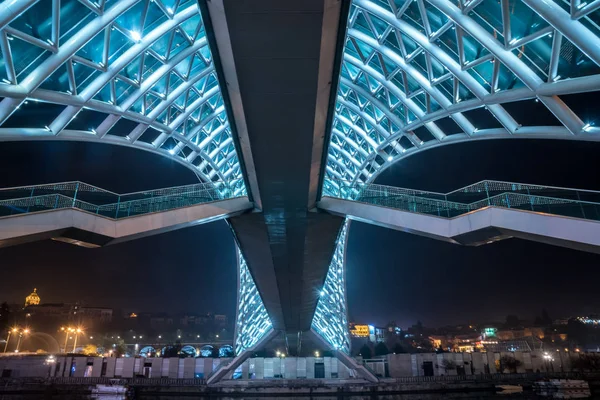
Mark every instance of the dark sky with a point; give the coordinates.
(392, 275)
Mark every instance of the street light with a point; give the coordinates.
(77, 332)
(13, 330)
(24, 331)
(67, 330)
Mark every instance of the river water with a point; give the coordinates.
(471, 396)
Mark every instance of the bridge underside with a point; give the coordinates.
(277, 50)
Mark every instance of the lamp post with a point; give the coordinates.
(77, 332)
(23, 332)
(13, 330)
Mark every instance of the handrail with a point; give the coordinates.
(213, 185)
(538, 198)
(351, 183)
(121, 208)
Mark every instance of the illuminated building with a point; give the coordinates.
(33, 299)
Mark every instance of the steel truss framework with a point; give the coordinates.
(331, 316)
(131, 72)
(422, 73)
(252, 320)
(417, 74)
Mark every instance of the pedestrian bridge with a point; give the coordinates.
(477, 214)
(484, 212)
(85, 215)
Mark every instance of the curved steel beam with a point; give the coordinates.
(563, 113)
(462, 75)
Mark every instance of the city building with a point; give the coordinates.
(355, 88)
(33, 299)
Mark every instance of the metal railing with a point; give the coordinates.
(546, 199)
(89, 198)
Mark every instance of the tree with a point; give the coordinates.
(90, 350)
(365, 352)
(170, 351)
(398, 349)
(586, 362)
(381, 349)
(509, 363)
(448, 365)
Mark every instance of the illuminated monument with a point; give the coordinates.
(33, 299)
(294, 109)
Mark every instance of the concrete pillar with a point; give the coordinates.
(327, 362)
(173, 366)
(128, 365)
(97, 367)
(110, 367)
(156, 371)
(301, 367)
(259, 368)
(245, 369)
(310, 368)
(189, 365)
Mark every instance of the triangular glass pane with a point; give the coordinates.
(523, 20)
(376, 64)
(124, 90)
(179, 43)
(119, 44)
(132, 69)
(58, 81)
(190, 26)
(183, 67)
(412, 15)
(379, 24)
(436, 18)
(26, 56)
(472, 48)
(488, 14)
(391, 41)
(154, 17)
(84, 75)
(103, 94)
(161, 46)
(131, 20)
(574, 63)
(448, 43)
(35, 21)
(94, 49)
(361, 24)
(483, 74)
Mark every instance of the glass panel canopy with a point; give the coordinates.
(421, 73)
(133, 72)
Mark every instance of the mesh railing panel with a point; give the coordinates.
(546, 199)
(80, 195)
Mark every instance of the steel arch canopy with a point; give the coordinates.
(417, 74)
(138, 73)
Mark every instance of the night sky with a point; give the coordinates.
(392, 275)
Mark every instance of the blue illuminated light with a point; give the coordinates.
(409, 81)
(252, 322)
(330, 320)
(140, 72)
